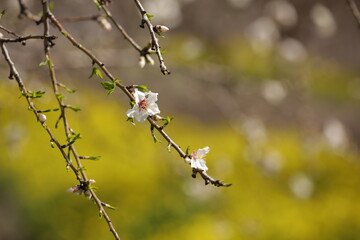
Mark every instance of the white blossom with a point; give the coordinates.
(196, 159)
(145, 105)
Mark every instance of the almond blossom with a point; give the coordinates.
(145, 106)
(196, 159)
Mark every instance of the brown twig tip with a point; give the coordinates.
(209, 179)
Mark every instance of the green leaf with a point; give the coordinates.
(60, 97)
(92, 158)
(2, 14)
(72, 139)
(48, 110)
(109, 206)
(75, 109)
(149, 16)
(167, 120)
(51, 6)
(66, 88)
(131, 120)
(109, 86)
(187, 150)
(142, 88)
(37, 94)
(132, 103)
(97, 72)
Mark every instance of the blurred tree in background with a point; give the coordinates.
(271, 86)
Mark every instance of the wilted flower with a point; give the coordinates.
(145, 105)
(196, 159)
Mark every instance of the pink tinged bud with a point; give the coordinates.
(161, 28)
(42, 118)
(75, 189)
(142, 61)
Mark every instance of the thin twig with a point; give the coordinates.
(154, 39)
(121, 29)
(80, 18)
(24, 38)
(24, 11)
(355, 11)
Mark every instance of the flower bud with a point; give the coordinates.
(91, 181)
(149, 59)
(104, 23)
(187, 160)
(42, 118)
(161, 28)
(142, 62)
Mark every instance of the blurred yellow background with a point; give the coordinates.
(280, 116)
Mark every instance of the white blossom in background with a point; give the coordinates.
(167, 11)
(272, 162)
(323, 20)
(301, 186)
(273, 92)
(254, 130)
(283, 12)
(192, 48)
(335, 133)
(263, 33)
(145, 105)
(292, 50)
(239, 3)
(196, 159)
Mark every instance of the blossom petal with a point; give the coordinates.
(199, 164)
(153, 109)
(201, 153)
(130, 113)
(141, 116)
(138, 95)
(152, 97)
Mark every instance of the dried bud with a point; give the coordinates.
(104, 23)
(142, 61)
(42, 118)
(161, 28)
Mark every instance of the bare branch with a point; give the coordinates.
(121, 29)
(154, 40)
